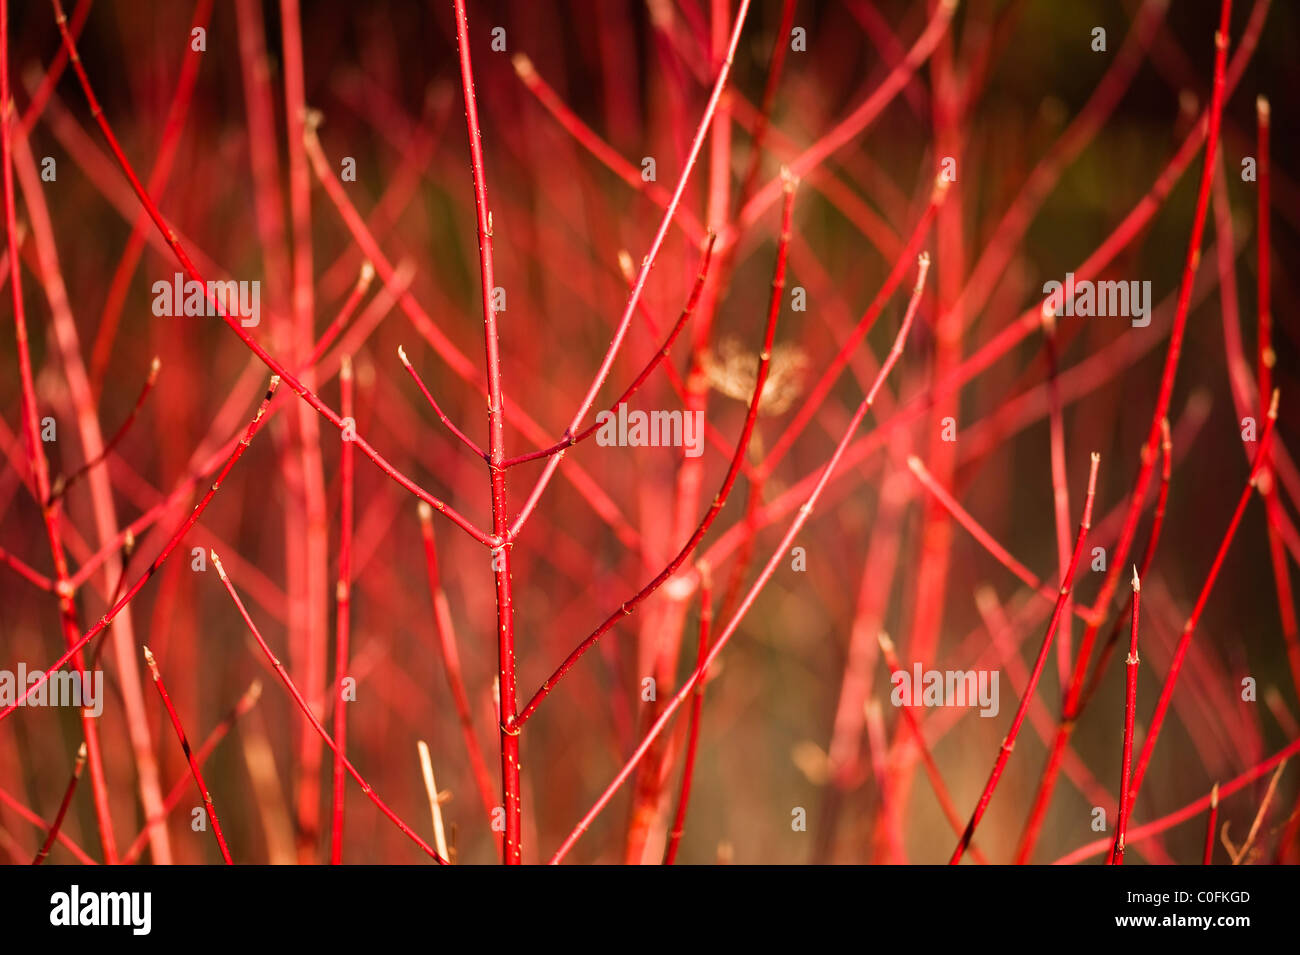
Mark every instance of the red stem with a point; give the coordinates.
(1157, 524)
(1070, 708)
(1189, 628)
(1190, 811)
(1009, 742)
(343, 596)
(189, 755)
(931, 767)
(35, 450)
(764, 576)
(446, 634)
(693, 730)
(647, 263)
(152, 569)
(594, 144)
(1211, 824)
(513, 850)
(659, 356)
(1130, 708)
(852, 126)
(169, 236)
(733, 470)
(437, 409)
(57, 824)
(245, 703)
(62, 484)
(311, 717)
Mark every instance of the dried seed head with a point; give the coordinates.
(812, 761)
(732, 370)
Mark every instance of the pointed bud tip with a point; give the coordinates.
(523, 66)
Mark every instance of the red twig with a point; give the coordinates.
(1189, 628)
(1060, 485)
(1210, 825)
(1157, 524)
(1119, 555)
(446, 635)
(693, 730)
(311, 717)
(189, 754)
(1010, 741)
(61, 484)
(1267, 357)
(512, 851)
(764, 576)
(852, 126)
(591, 141)
(57, 824)
(733, 470)
(931, 767)
(658, 358)
(1130, 707)
(34, 448)
(158, 561)
(643, 274)
(343, 597)
(169, 236)
(1190, 811)
(25, 571)
(345, 313)
(758, 134)
(437, 409)
(819, 392)
(218, 733)
(1265, 361)
(975, 529)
